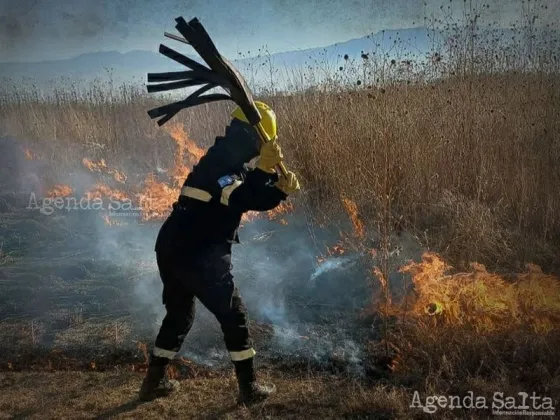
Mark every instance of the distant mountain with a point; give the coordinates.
(91, 65)
(397, 42)
(135, 64)
(404, 43)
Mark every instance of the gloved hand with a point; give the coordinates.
(288, 185)
(270, 156)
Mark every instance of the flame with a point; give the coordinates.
(284, 208)
(384, 286)
(141, 367)
(249, 217)
(92, 365)
(119, 176)
(94, 166)
(102, 191)
(60, 190)
(100, 166)
(275, 214)
(172, 372)
(336, 249)
(483, 300)
(184, 142)
(143, 347)
(184, 146)
(352, 210)
(30, 155)
(155, 197)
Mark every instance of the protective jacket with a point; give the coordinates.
(231, 190)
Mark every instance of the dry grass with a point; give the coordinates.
(80, 395)
(469, 166)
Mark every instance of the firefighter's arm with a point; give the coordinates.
(257, 192)
(261, 189)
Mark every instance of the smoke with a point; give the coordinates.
(72, 263)
(335, 263)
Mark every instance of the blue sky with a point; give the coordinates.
(34, 30)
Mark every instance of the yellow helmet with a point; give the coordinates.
(268, 118)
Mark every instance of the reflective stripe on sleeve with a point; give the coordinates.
(226, 192)
(196, 193)
(237, 356)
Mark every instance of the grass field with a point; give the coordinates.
(468, 166)
(459, 173)
(113, 395)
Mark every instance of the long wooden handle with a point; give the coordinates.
(265, 139)
(283, 169)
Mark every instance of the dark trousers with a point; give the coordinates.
(206, 276)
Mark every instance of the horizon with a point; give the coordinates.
(164, 40)
(33, 31)
(242, 57)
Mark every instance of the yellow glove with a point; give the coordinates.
(270, 156)
(288, 185)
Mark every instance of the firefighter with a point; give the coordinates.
(193, 248)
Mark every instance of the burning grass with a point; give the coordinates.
(352, 210)
(102, 191)
(101, 166)
(154, 196)
(480, 300)
(59, 191)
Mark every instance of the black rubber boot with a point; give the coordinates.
(156, 384)
(250, 391)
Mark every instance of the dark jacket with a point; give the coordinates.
(195, 225)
